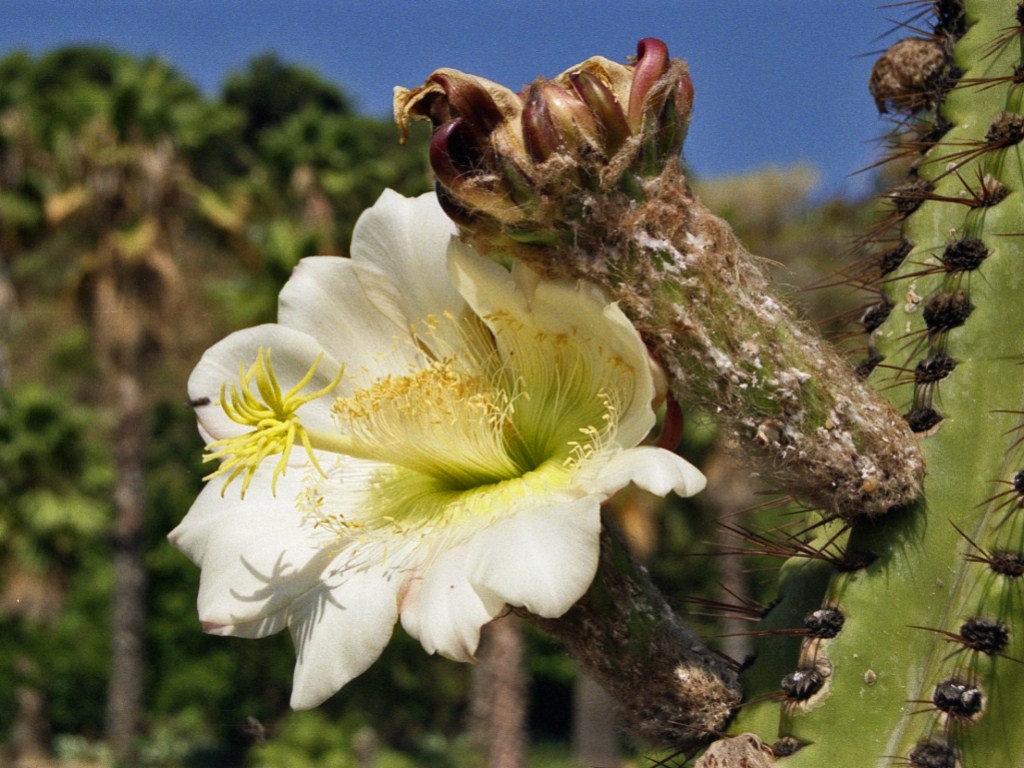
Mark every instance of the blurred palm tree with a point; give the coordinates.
(165, 217)
(119, 132)
(308, 166)
(22, 163)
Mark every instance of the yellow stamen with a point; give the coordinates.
(446, 419)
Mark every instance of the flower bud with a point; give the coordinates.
(606, 110)
(466, 98)
(520, 166)
(651, 63)
(555, 119)
(451, 156)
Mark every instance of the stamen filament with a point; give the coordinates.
(332, 442)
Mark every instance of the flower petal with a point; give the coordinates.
(444, 612)
(339, 632)
(192, 534)
(543, 559)
(293, 353)
(653, 469)
(257, 554)
(253, 630)
(407, 238)
(353, 310)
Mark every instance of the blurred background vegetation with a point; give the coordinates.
(140, 221)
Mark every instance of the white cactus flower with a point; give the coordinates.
(456, 427)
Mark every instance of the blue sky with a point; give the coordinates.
(777, 81)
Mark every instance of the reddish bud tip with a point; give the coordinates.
(451, 156)
(651, 63)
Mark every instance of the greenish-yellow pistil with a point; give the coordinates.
(273, 416)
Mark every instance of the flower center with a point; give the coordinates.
(444, 420)
(489, 411)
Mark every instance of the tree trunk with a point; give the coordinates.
(27, 742)
(595, 738)
(731, 490)
(499, 695)
(125, 688)
(7, 307)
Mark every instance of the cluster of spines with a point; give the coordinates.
(958, 698)
(922, 360)
(920, 138)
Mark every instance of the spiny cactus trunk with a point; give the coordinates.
(916, 658)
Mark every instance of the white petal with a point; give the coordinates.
(444, 612)
(192, 534)
(340, 632)
(292, 355)
(653, 469)
(270, 572)
(543, 560)
(257, 554)
(213, 509)
(407, 238)
(551, 306)
(263, 627)
(354, 312)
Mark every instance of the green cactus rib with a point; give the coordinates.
(908, 640)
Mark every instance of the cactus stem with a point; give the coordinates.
(907, 198)
(803, 684)
(1009, 35)
(931, 756)
(786, 746)
(1002, 562)
(823, 623)
(1011, 500)
(922, 419)
(1005, 130)
(1012, 430)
